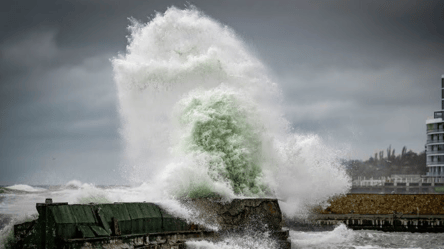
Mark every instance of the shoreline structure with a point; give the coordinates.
(385, 212)
(147, 225)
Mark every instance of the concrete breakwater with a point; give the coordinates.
(416, 204)
(145, 225)
(387, 223)
(390, 212)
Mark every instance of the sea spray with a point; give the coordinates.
(237, 241)
(339, 237)
(25, 188)
(310, 172)
(201, 116)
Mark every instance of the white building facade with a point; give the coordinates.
(435, 143)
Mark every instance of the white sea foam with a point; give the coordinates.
(75, 184)
(259, 241)
(26, 188)
(337, 238)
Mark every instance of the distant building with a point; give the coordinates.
(435, 143)
(380, 181)
(397, 184)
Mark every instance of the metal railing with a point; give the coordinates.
(435, 130)
(367, 183)
(435, 141)
(435, 152)
(435, 163)
(435, 174)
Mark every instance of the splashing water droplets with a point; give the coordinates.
(200, 116)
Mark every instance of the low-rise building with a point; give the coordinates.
(397, 184)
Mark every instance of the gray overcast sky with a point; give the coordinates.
(362, 73)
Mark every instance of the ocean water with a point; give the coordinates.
(201, 116)
(19, 202)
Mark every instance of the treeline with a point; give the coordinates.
(386, 163)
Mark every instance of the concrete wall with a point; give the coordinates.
(415, 204)
(254, 213)
(385, 222)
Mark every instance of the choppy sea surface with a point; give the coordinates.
(17, 203)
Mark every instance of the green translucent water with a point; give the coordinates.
(221, 128)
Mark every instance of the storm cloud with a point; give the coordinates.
(365, 74)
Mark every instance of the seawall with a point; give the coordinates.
(416, 204)
(386, 212)
(387, 223)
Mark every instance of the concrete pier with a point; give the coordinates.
(412, 204)
(385, 212)
(387, 223)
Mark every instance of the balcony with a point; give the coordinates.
(435, 141)
(435, 174)
(435, 130)
(435, 152)
(435, 163)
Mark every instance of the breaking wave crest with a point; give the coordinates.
(25, 188)
(201, 117)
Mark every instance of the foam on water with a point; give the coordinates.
(21, 205)
(236, 241)
(75, 184)
(341, 235)
(26, 188)
(200, 115)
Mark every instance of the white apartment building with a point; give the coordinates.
(435, 143)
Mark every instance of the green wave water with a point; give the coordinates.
(219, 127)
